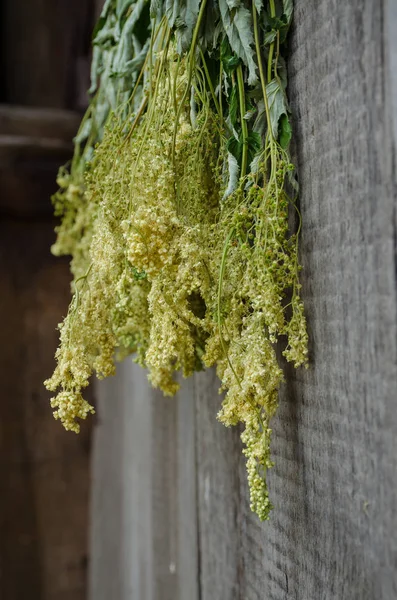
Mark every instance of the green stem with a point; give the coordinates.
(261, 70)
(190, 74)
(271, 50)
(220, 286)
(207, 75)
(244, 126)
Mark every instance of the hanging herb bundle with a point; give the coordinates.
(179, 234)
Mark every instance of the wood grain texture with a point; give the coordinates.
(143, 531)
(335, 435)
(44, 471)
(218, 455)
(334, 440)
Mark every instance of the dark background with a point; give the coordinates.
(44, 471)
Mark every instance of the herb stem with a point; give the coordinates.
(215, 99)
(220, 286)
(261, 70)
(271, 49)
(244, 126)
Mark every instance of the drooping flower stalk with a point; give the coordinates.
(177, 222)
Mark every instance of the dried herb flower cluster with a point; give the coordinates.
(175, 211)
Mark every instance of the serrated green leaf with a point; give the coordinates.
(277, 104)
(284, 131)
(288, 7)
(235, 146)
(233, 105)
(239, 30)
(269, 37)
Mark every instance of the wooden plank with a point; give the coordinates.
(44, 483)
(187, 567)
(218, 455)
(144, 537)
(334, 443)
(33, 144)
(38, 122)
(331, 533)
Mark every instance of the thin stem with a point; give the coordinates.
(190, 73)
(261, 70)
(215, 99)
(271, 50)
(244, 126)
(220, 286)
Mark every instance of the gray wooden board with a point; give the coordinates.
(331, 535)
(143, 525)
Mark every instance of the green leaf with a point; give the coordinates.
(269, 37)
(239, 30)
(233, 105)
(156, 9)
(277, 104)
(254, 145)
(288, 7)
(233, 175)
(259, 6)
(83, 132)
(185, 22)
(260, 123)
(230, 60)
(172, 11)
(109, 4)
(282, 71)
(284, 131)
(235, 146)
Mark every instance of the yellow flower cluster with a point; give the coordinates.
(170, 271)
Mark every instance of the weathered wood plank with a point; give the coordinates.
(38, 122)
(218, 455)
(335, 435)
(143, 512)
(334, 438)
(44, 483)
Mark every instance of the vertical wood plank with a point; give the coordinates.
(335, 434)
(44, 482)
(144, 528)
(218, 455)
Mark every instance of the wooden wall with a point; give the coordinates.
(170, 518)
(44, 471)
